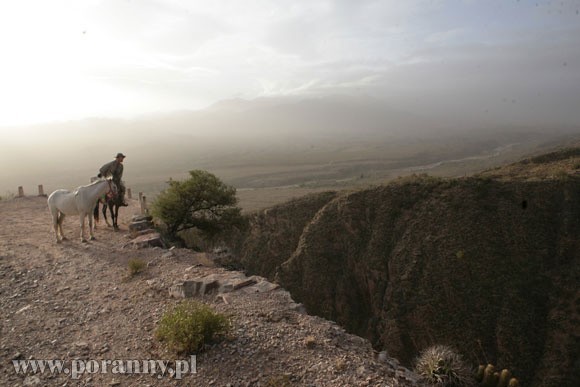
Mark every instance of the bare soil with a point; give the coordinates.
(77, 301)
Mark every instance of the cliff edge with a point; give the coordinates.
(489, 264)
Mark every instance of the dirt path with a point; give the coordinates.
(76, 302)
(70, 300)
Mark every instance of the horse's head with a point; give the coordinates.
(113, 190)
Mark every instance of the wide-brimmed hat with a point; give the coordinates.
(120, 155)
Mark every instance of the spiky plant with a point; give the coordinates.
(487, 376)
(441, 366)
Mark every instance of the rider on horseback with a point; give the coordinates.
(115, 169)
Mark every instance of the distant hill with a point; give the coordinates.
(259, 143)
(489, 264)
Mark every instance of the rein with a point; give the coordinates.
(111, 194)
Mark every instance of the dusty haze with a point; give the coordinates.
(262, 143)
(272, 94)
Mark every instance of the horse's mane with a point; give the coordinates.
(93, 183)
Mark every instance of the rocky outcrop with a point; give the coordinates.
(489, 265)
(143, 233)
(220, 283)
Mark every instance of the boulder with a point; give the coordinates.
(220, 283)
(143, 232)
(140, 226)
(194, 288)
(149, 240)
(141, 217)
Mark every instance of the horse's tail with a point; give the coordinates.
(96, 210)
(100, 200)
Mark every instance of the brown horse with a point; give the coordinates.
(112, 202)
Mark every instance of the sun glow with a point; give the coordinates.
(71, 59)
(54, 65)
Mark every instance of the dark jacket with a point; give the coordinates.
(114, 169)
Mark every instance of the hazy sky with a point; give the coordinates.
(67, 59)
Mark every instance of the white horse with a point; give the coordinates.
(80, 202)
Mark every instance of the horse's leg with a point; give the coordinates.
(91, 226)
(116, 225)
(96, 213)
(61, 217)
(54, 213)
(112, 211)
(82, 222)
(105, 205)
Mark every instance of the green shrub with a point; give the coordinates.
(136, 266)
(442, 366)
(202, 202)
(191, 325)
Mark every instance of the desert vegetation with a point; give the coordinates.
(201, 202)
(190, 325)
(442, 366)
(487, 376)
(136, 266)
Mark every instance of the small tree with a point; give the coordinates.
(202, 202)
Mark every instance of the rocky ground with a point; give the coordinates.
(76, 301)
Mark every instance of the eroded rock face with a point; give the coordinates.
(460, 262)
(275, 232)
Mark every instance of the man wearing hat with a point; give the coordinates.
(115, 169)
